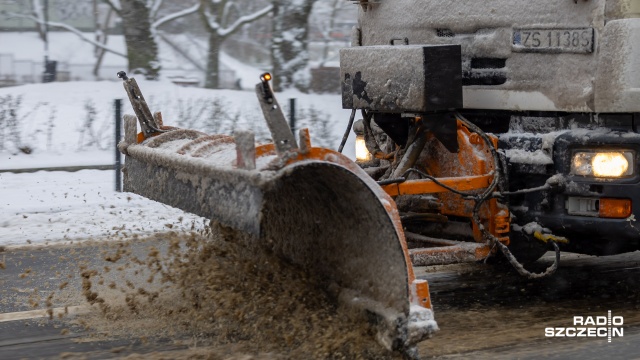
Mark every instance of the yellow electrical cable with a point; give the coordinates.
(546, 237)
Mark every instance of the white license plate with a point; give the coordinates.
(553, 40)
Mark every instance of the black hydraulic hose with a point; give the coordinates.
(494, 154)
(485, 195)
(392, 181)
(369, 139)
(346, 133)
(524, 272)
(524, 191)
(436, 181)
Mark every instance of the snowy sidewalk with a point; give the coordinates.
(48, 160)
(48, 207)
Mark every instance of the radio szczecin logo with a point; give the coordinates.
(590, 326)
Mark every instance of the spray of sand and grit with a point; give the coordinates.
(218, 298)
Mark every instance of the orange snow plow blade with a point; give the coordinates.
(311, 206)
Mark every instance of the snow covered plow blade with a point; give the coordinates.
(311, 206)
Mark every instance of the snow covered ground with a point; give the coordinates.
(54, 207)
(73, 123)
(68, 124)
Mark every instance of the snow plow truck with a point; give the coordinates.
(484, 129)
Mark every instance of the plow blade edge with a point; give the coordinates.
(314, 208)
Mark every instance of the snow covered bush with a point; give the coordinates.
(319, 124)
(11, 138)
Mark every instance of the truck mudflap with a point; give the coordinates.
(311, 206)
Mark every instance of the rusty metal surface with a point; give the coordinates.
(452, 254)
(322, 215)
(318, 215)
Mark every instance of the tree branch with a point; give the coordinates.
(244, 20)
(226, 10)
(174, 16)
(71, 29)
(153, 9)
(211, 22)
(184, 54)
(114, 4)
(38, 12)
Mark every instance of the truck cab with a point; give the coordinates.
(558, 83)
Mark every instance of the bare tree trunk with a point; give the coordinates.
(98, 64)
(215, 17)
(37, 10)
(211, 13)
(289, 42)
(142, 50)
(102, 37)
(212, 78)
(327, 35)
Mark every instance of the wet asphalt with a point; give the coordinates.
(582, 285)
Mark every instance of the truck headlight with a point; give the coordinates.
(608, 163)
(362, 153)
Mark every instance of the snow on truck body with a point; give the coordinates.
(559, 83)
(550, 55)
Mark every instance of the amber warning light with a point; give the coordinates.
(615, 208)
(265, 77)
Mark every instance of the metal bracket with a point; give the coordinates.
(147, 122)
(404, 41)
(280, 132)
